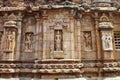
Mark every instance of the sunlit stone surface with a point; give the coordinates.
(59, 39)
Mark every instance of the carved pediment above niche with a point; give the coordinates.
(10, 24)
(104, 18)
(105, 25)
(58, 21)
(12, 16)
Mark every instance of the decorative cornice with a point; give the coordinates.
(111, 67)
(68, 66)
(36, 6)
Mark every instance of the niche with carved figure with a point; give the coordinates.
(28, 42)
(28, 32)
(9, 43)
(107, 40)
(10, 39)
(58, 40)
(58, 44)
(87, 40)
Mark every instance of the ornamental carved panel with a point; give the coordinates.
(107, 40)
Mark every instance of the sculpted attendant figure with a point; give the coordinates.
(58, 41)
(10, 40)
(107, 41)
(13, 41)
(88, 43)
(28, 42)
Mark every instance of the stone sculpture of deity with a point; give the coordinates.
(58, 41)
(87, 42)
(28, 41)
(107, 40)
(10, 40)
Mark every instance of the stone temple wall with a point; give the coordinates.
(59, 39)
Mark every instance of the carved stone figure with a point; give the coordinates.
(107, 40)
(87, 43)
(58, 41)
(1, 38)
(28, 41)
(10, 40)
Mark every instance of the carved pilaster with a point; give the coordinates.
(44, 33)
(72, 56)
(78, 29)
(19, 24)
(38, 38)
(97, 36)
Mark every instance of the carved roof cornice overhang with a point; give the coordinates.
(36, 5)
(42, 7)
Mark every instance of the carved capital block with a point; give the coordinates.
(58, 54)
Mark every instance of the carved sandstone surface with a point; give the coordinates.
(54, 39)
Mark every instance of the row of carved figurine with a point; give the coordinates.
(51, 71)
(41, 66)
(112, 64)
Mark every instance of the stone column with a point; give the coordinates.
(98, 43)
(98, 55)
(38, 30)
(19, 25)
(72, 56)
(78, 23)
(44, 34)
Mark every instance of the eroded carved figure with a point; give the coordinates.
(87, 43)
(58, 41)
(107, 40)
(28, 41)
(0, 39)
(10, 40)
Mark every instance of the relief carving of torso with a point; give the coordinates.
(10, 40)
